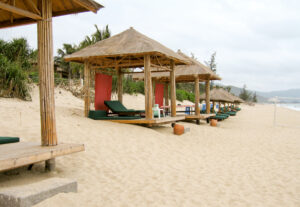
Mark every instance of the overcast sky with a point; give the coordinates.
(257, 41)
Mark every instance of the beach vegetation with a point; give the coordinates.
(254, 98)
(245, 94)
(17, 59)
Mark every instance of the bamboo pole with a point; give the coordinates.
(214, 104)
(207, 98)
(197, 94)
(120, 85)
(46, 75)
(166, 95)
(148, 87)
(153, 91)
(86, 88)
(173, 89)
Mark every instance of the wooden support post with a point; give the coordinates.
(46, 75)
(207, 98)
(50, 165)
(153, 91)
(197, 96)
(120, 85)
(173, 89)
(166, 95)
(86, 88)
(214, 104)
(148, 87)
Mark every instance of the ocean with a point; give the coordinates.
(293, 106)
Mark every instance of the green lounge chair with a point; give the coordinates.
(118, 108)
(6, 140)
(102, 115)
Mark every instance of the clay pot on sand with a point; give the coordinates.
(213, 122)
(178, 129)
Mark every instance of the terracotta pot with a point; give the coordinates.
(178, 129)
(213, 122)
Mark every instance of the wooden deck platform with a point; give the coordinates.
(198, 117)
(20, 154)
(151, 122)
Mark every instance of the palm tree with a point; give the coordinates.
(75, 68)
(59, 60)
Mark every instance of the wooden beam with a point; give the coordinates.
(148, 87)
(46, 75)
(197, 96)
(160, 67)
(153, 91)
(166, 95)
(21, 12)
(207, 98)
(85, 5)
(13, 3)
(86, 88)
(173, 89)
(120, 84)
(33, 6)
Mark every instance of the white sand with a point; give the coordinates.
(244, 162)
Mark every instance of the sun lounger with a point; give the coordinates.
(102, 115)
(6, 140)
(118, 108)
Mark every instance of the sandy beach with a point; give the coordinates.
(246, 161)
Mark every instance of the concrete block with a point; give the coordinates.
(31, 194)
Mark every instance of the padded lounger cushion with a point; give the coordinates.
(5, 140)
(118, 107)
(102, 115)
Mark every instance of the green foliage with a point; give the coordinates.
(228, 88)
(254, 98)
(212, 65)
(245, 94)
(13, 79)
(182, 95)
(18, 51)
(97, 36)
(76, 69)
(129, 86)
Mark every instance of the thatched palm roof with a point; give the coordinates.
(184, 73)
(126, 49)
(236, 99)
(27, 12)
(218, 95)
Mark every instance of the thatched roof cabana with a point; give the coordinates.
(218, 95)
(129, 49)
(28, 11)
(235, 98)
(184, 73)
(126, 50)
(194, 72)
(17, 12)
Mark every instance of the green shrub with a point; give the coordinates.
(13, 80)
(182, 95)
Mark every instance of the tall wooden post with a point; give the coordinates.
(173, 89)
(86, 88)
(46, 74)
(214, 104)
(153, 91)
(197, 96)
(207, 98)
(166, 95)
(120, 85)
(148, 87)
